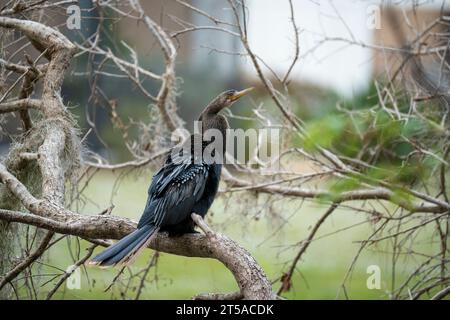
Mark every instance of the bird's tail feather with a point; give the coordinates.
(125, 250)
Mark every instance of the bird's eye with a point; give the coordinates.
(231, 93)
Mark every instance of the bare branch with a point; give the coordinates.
(66, 274)
(166, 93)
(18, 105)
(28, 260)
(354, 195)
(297, 44)
(441, 294)
(286, 278)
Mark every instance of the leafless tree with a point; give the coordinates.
(46, 168)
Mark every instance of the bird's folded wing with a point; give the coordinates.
(174, 185)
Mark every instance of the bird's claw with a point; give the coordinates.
(202, 224)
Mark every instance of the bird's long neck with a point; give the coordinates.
(212, 109)
(217, 122)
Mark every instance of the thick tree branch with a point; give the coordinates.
(49, 215)
(219, 296)
(252, 281)
(59, 50)
(248, 274)
(50, 163)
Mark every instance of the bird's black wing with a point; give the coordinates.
(174, 190)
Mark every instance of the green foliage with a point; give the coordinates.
(338, 186)
(362, 129)
(324, 132)
(401, 196)
(346, 184)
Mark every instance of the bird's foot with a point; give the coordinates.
(202, 224)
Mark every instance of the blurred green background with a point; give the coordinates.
(272, 239)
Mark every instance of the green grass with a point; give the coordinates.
(269, 233)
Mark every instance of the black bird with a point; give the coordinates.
(181, 187)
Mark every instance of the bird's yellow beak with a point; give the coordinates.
(240, 94)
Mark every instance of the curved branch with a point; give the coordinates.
(42, 35)
(250, 277)
(168, 79)
(252, 281)
(49, 215)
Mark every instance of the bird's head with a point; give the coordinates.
(224, 100)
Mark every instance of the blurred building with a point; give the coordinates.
(340, 41)
(401, 27)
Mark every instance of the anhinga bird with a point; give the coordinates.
(178, 189)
